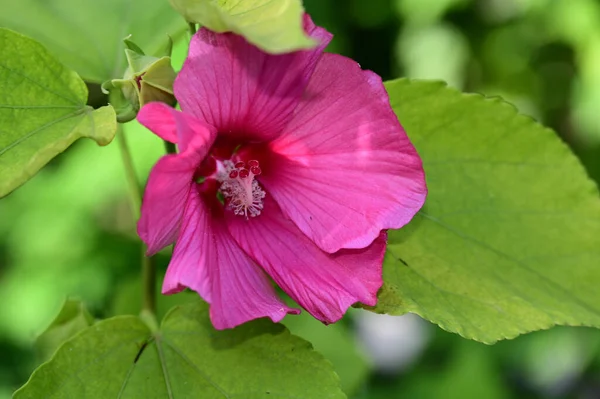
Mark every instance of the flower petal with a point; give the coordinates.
(171, 178)
(158, 118)
(241, 90)
(322, 283)
(175, 126)
(344, 169)
(188, 266)
(207, 260)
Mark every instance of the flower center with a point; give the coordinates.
(241, 191)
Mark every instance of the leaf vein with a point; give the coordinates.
(198, 370)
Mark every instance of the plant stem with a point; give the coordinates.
(148, 282)
(135, 193)
(192, 27)
(170, 147)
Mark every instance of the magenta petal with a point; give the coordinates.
(158, 118)
(344, 168)
(188, 266)
(164, 199)
(240, 289)
(176, 127)
(207, 260)
(242, 91)
(171, 178)
(324, 284)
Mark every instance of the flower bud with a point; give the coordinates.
(146, 79)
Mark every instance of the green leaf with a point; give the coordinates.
(186, 358)
(42, 111)
(507, 241)
(87, 36)
(337, 343)
(273, 25)
(72, 318)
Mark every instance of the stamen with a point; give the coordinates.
(242, 192)
(256, 170)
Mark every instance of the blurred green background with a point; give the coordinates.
(70, 230)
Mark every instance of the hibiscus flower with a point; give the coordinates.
(290, 167)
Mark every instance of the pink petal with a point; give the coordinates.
(174, 126)
(188, 266)
(316, 32)
(344, 168)
(158, 118)
(207, 260)
(324, 284)
(242, 91)
(171, 178)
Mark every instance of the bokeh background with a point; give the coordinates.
(70, 231)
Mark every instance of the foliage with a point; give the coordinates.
(129, 357)
(89, 38)
(274, 25)
(44, 110)
(506, 243)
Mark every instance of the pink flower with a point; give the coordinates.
(290, 167)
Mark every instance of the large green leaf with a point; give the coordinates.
(273, 25)
(509, 238)
(88, 35)
(186, 358)
(72, 318)
(337, 343)
(42, 110)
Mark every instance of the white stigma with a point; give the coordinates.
(241, 191)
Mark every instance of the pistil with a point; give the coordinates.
(242, 193)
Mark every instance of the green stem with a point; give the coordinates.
(149, 282)
(135, 193)
(192, 27)
(170, 147)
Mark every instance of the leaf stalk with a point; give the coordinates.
(135, 194)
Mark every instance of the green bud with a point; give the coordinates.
(146, 79)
